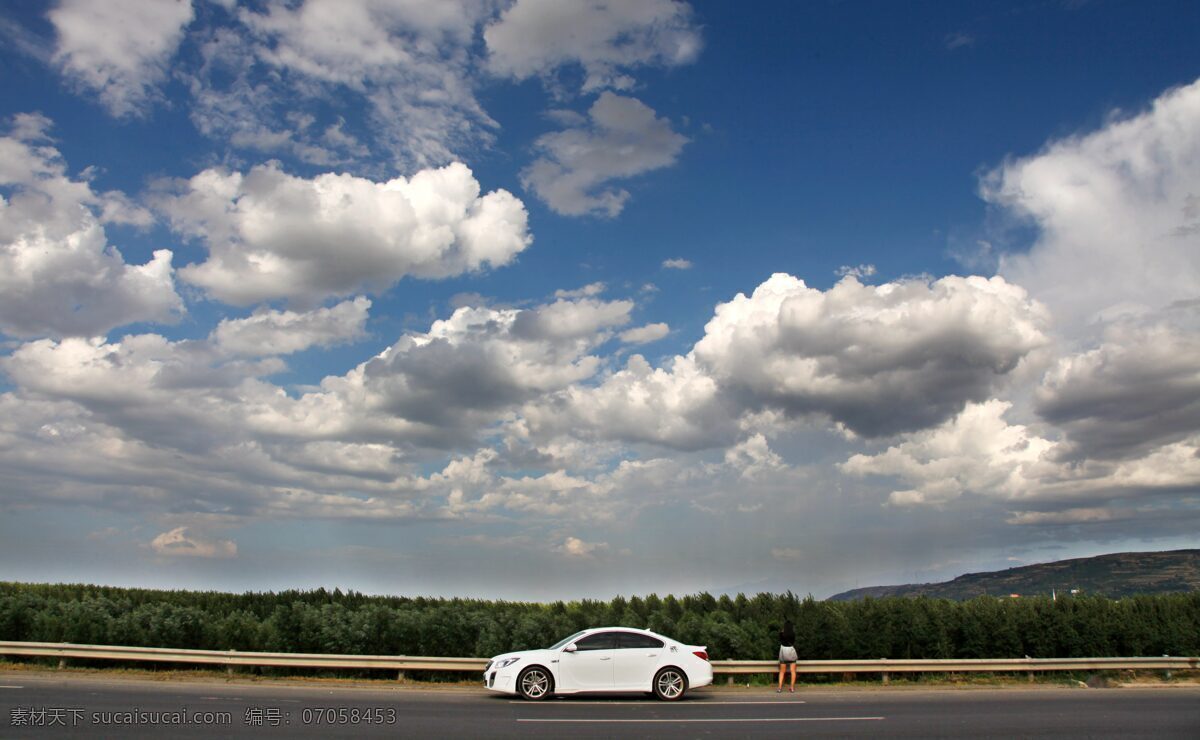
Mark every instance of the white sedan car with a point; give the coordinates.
(615, 659)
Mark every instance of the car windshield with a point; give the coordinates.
(565, 641)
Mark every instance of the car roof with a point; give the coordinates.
(592, 630)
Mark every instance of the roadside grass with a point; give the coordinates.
(437, 679)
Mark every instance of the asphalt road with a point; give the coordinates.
(47, 705)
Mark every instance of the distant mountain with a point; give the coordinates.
(1116, 575)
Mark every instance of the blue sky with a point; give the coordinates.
(560, 299)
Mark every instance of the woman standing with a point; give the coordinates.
(787, 654)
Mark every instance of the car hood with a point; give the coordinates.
(518, 654)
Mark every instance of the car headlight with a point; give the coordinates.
(505, 663)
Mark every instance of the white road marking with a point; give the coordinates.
(730, 719)
(12, 687)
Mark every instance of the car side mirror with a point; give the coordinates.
(569, 648)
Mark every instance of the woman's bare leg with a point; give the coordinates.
(793, 686)
(781, 676)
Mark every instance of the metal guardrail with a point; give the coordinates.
(231, 658)
(997, 665)
(235, 658)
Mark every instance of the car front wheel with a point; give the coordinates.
(534, 683)
(669, 684)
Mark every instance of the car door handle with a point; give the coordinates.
(651, 655)
(608, 658)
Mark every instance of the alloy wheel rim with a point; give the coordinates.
(534, 683)
(670, 684)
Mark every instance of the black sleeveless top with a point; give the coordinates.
(787, 636)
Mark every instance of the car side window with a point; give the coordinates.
(632, 640)
(598, 641)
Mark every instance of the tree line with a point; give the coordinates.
(741, 627)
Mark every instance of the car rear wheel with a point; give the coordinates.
(669, 684)
(534, 683)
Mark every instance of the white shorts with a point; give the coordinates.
(787, 654)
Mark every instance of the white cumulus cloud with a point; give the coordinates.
(1136, 391)
(856, 271)
(876, 359)
(272, 235)
(119, 48)
(606, 39)
(1117, 214)
(645, 334)
(979, 454)
(445, 386)
(469, 370)
(583, 318)
(177, 543)
(1113, 431)
(587, 291)
(624, 138)
(676, 406)
(753, 457)
(577, 548)
(975, 452)
(59, 275)
(268, 332)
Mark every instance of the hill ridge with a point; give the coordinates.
(1113, 574)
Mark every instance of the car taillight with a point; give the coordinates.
(701, 654)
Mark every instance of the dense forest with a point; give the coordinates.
(743, 627)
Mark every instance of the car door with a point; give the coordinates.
(635, 660)
(590, 666)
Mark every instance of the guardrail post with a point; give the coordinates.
(229, 667)
(1167, 673)
(884, 674)
(399, 675)
(62, 663)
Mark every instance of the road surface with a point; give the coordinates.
(45, 704)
